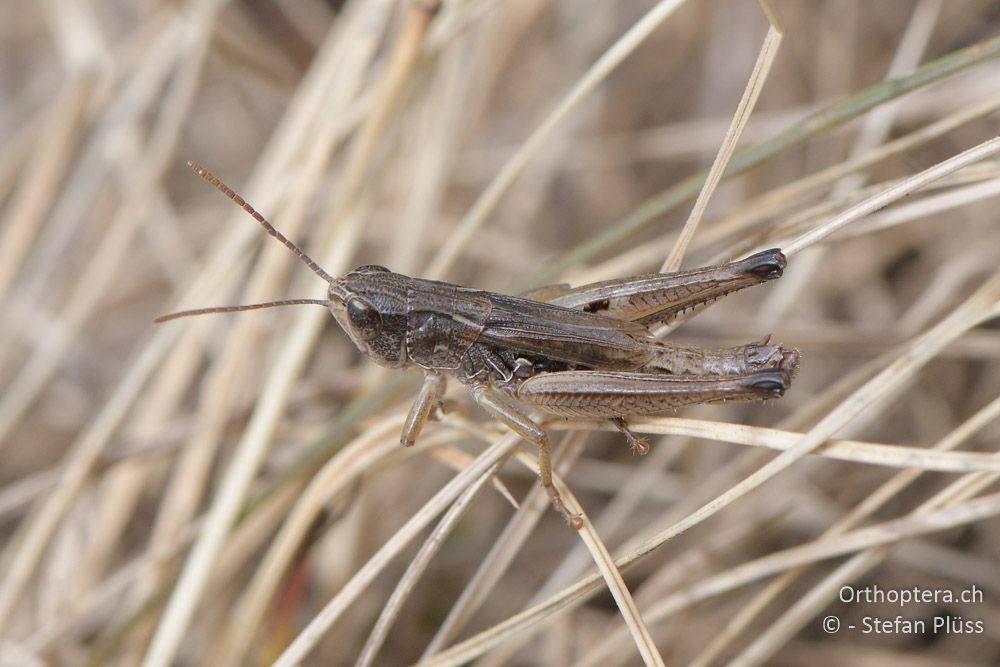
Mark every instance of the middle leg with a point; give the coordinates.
(503, 409)
(429, 397)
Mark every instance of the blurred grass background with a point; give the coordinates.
(379, 131)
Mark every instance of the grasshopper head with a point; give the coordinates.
(369, 302)
(370, 305)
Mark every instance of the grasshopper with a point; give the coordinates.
(585, 352)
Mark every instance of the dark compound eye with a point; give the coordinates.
(365, 320)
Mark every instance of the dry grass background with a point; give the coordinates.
(204, 491)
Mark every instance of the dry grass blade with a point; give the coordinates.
(62, 132)
(43, 522)
(824, 120)
(877, 499)
(38, 370)
(979, 307)
(776, 202)
(875, 536)
(224, 488)
(864, 538)
(891, 194)
(336, 476)
(895, 456)
(930, 205)
(254, 443)
(616, 585)
(487, 464)
(505, 549)
(957, 492)
(600, 69)
(418, 566)
(768, 52)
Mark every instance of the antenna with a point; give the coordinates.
(236, 309)
(269, 228)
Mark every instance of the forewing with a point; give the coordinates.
(563, 334)
(659, 297)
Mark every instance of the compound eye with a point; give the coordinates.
(365, 320)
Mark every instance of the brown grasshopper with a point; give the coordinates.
(586, 352)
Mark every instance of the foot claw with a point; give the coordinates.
(637, 444)
(575, 521)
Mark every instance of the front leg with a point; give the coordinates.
(503, 409)
(429, 396)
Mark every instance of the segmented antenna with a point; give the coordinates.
(226, 190)
(269, 228)
(236, 309)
